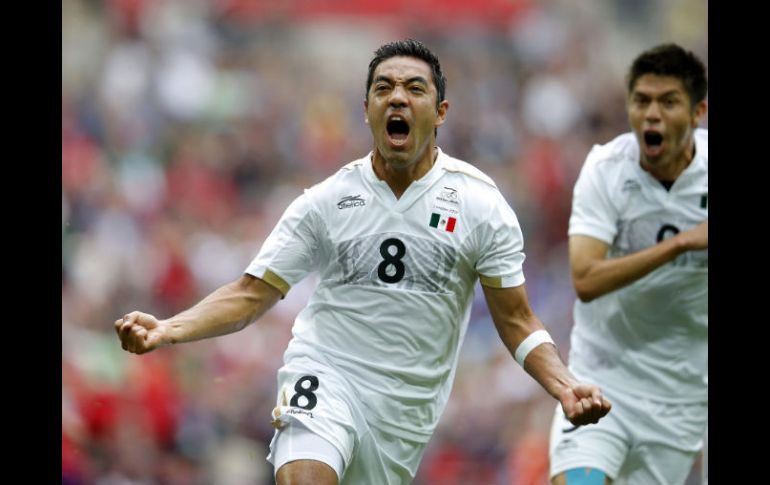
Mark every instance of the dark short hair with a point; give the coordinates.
(672, 60)
(409, 48)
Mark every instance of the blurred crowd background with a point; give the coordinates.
(189, 125)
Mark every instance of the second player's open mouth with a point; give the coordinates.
(653, 143)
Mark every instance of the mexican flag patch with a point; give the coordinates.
(442, 222)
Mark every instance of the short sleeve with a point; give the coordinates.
(288, 253)
(501, 245)
(592, 211)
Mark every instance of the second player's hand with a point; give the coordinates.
(584, 404)
(697, 237)
(140, 333)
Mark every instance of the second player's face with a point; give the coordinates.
(663, 119)
(401, 110)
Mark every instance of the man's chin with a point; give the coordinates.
(652, 159)
(396, 155)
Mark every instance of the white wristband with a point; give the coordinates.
(528, 344)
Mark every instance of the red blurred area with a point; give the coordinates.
(490, 12)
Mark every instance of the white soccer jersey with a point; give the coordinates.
(651, 337)
(396, 280)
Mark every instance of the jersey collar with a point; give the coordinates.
(415, 189)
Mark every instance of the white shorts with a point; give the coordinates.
(638, 442)
(320, 400)
(296, 442)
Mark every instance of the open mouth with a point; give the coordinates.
(653, 143)
(653, 138)
(398, 130)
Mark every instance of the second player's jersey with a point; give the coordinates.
(396, 280)
(651, 337)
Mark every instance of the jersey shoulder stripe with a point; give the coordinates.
(702, 142)
(454, 165)
(354, 164)
(345, 175)
(621, 149)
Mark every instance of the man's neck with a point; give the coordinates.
(399, 178)
(671, 171)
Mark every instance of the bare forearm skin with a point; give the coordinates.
(514, 323)
(593, 275)
(544, 364)
(582, 403)
(228, 309)
(611, 274)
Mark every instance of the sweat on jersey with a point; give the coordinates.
(649, 338)
(396, 280)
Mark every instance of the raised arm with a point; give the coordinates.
(228, 309)
(593, 275)
(515, 321)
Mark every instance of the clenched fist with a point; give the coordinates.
(140, 333)
(584, 404)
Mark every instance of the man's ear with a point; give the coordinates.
(699, 113)
(443, 107)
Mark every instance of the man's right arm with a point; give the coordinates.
(593, 275)
(228, 309)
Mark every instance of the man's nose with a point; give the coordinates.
(398, 97)
(653, 111)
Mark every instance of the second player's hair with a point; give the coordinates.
(672, 60)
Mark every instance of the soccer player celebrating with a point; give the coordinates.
(399, 238)
(638, 251)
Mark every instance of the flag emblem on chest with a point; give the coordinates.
(445, 223)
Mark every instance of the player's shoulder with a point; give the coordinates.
(353, 166)
(347, 175)
(702, 142)
(615, 154)
(465, 172)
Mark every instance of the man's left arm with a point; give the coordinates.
(516, 322)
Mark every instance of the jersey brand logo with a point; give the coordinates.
(351, 201)
(566, 444)
(630, 185)
(449, 195)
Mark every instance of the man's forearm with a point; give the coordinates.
(228, 309)
(606, 275)
(544, 364)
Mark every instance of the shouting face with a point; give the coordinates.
(663, 119)
(401, 111)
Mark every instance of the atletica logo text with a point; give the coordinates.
(351, 201)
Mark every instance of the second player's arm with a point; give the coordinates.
(515, 321)
(593, 275)
(228, 309)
